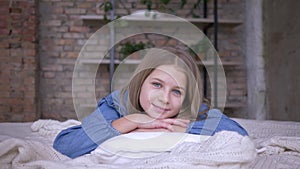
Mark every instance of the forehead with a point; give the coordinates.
(170, 74)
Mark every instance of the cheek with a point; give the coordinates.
(178, 103)
(144, 97)
(147, 93)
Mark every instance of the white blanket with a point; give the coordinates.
(223, 150)
(277, 143)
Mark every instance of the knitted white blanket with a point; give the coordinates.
(277, 143)
(223, 150)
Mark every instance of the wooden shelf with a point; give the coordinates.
(202, 22)
(136, 61)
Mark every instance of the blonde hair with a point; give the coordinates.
(168, 56)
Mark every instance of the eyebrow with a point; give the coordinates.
(179, 87)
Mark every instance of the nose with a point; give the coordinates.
(164, 97)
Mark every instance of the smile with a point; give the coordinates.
(161, 108)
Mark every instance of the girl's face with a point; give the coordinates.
(163, 92)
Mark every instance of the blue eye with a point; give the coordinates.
(157, 85)
(177, 92)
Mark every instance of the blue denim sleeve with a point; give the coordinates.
(73, 142)
(95, 129)
(215, 122)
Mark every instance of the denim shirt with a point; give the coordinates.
(97, 127)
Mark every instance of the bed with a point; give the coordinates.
(271, 144)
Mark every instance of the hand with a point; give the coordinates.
(147, 123)
(176, 129)
(143, 122)
(179, 129)
(151, 130)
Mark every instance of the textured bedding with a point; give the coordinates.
(277, 143)
(271, 144)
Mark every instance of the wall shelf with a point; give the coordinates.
(204, 24)
(200, 22)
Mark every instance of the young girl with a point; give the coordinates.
(164, 94)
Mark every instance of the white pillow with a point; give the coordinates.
(137, 145)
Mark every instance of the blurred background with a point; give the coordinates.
(258, 42)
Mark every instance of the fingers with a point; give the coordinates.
(156, 124)
(184, 120)
(177, 122)
(167, 124)
(151, 130)
(163, 124)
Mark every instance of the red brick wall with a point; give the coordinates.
(18, 60)
(40, 41)
(62, 35)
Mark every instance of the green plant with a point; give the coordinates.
(161, 5)
(200, 48)
(107, 7)
(128, 48)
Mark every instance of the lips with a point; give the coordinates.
(161, 109)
